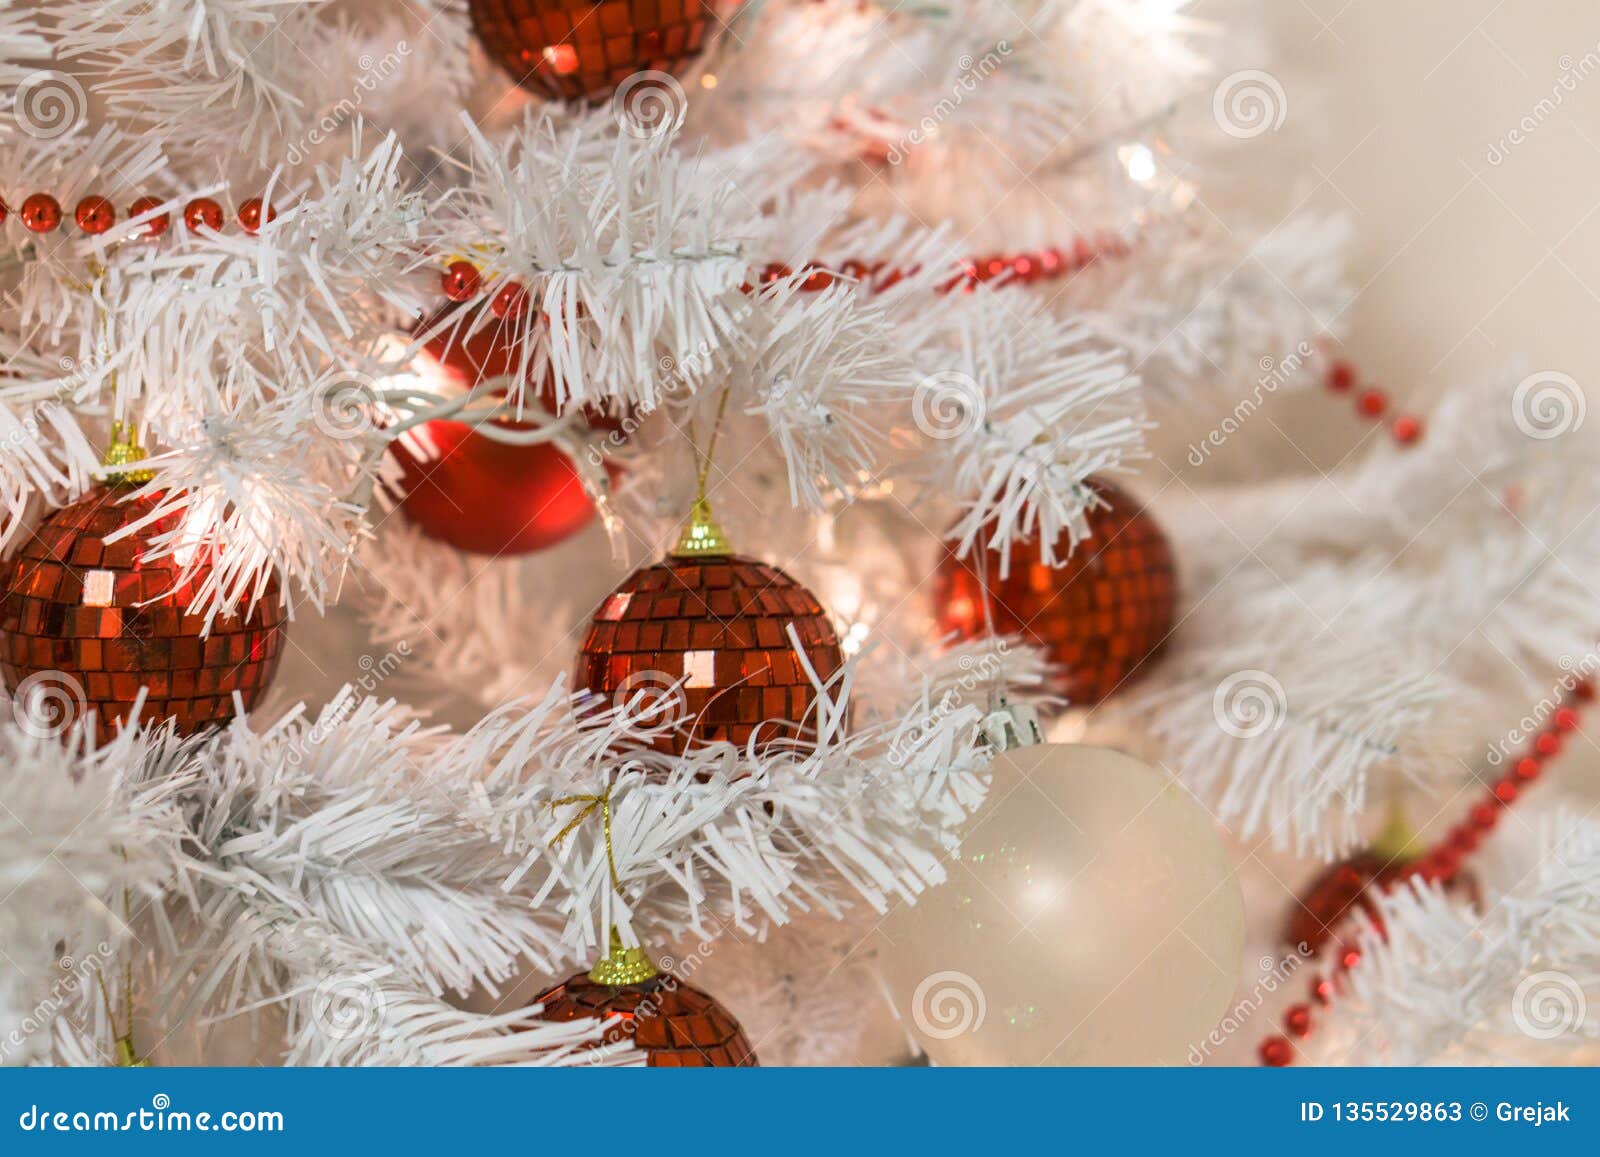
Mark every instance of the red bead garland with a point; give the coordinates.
(1371, 403)
(1442, 864)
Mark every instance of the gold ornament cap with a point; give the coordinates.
(1397, 842)
(122, 458)
(702, 537)
(622, 966)
(127, 1058)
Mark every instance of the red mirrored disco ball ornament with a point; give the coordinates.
(86, 624)
(1334, 896)
(582, 49)
(476, 493)
(1100, 616)
(1356, 882)
(677, 1026)
(706, 630)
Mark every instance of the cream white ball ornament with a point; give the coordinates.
(1092, 918)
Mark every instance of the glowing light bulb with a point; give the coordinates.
(1140, 163)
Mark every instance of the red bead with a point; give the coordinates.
(94, 622)
(1584, 692)
(582, 50)
(817, 280)
(1024, 267)
(1527, 769)
(461, 281)
(1323, 989)
(1484, 815)
(1566, 719)
(774, 272)
(1101, 616)
(1372, 403)
(856, 270)
(157, 225)
(1548, 744)
(1298, 1020)
(4, 211)
(1050, 263)
(511, 302)
(250, 215)
(1349, 957)
(995, 267)
(1276, 1051)
(1464, 839)
(1406, 429)
(203, 211)
(95, 215)
(41, 212)
(1444, 863)
(1505, 791)
(1341, 376)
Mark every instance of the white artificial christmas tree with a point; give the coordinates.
(871, 278)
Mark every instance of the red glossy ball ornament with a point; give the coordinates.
(95, 215)
(583, 49)
(86, 624)
(712, 628)
(485, 496)
(473, 492)
(1100, 616)
(676, 1025)
(41, 213)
